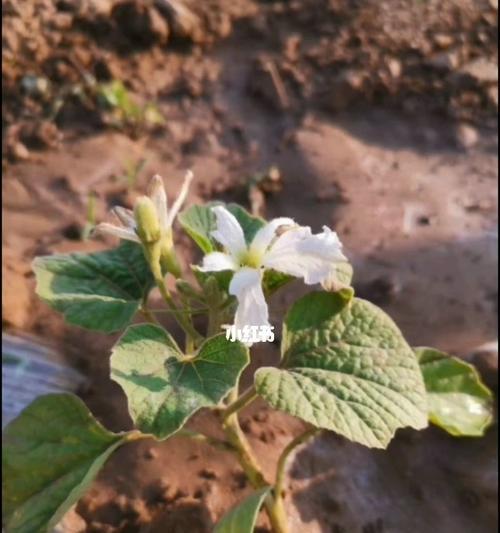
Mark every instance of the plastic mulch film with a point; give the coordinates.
(29, 369)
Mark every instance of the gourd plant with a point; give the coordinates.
(344, 367)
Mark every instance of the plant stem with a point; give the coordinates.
(149, 315)
(214, 325)
(239, 403)
(195, 435)
(182, 320)
(251, 467)
(279, 491)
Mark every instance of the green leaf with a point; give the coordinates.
(344, 272)
(199, 221)
(163, 386)
(273, 280)
(250, 224)
(51, 453)
(223, 278)
(458, 400)
(242, 517)
(346, 367)
(100, 291)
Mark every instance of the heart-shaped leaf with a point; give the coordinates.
(458, 400)
(164, 387)
(199, 221)
(242, 517)
(100, 291)
(51, 453)
(346, 367)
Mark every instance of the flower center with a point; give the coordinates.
(251, 258)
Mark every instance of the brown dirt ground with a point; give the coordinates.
(379, 115)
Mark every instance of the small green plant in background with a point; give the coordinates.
(111, 99)
(132, 170)
(124, 111)
(90, 222)
(344, 367)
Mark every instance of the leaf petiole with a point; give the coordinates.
(239, 403)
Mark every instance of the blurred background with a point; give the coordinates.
(375, 117)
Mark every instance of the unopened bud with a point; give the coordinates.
(146, 219)
(168, 258)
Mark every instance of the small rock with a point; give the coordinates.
(34, 85)
(443, 40)
(395, 67)
(72, 522)
(493, 95)
(122, 502)
(494, 4)
(138, 508)
(17, 151)
(150, 453)
(466, 136)
(291, 47)
(184, 23)
(223, 26)
(61, 21)
(445, 61)
(482, 69)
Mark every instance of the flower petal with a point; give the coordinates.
(121, 233)
(264, 237)
(229, 232)
(188, 178)
(301, 254)
(252, 310)
(125, 216)
(159, 197)
(217, 261)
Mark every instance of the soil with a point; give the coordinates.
(377, 118)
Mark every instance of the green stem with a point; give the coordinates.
(149, 315)
(279, 492)
(251, 467)
(239, 403)
(213, 321)
(195, 435)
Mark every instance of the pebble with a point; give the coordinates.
(395, 67)
(466, 136)
(482, 69)
(445, 60)
(18, 152)
(443, 40)
(72, 522)
(150, 453)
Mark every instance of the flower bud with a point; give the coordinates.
(168, 258)
(146, 219)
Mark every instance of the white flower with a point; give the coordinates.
(297, 252)
(165, 216)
